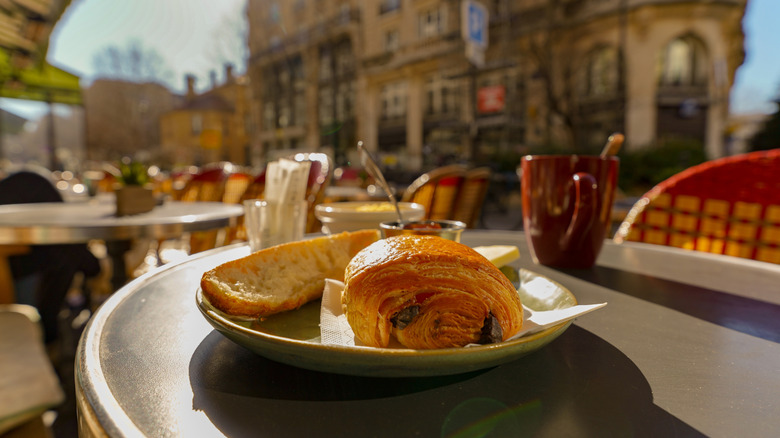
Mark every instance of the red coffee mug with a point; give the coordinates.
(567, 207)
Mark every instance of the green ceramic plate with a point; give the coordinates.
(293, 338)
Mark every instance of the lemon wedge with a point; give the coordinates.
(499, 255)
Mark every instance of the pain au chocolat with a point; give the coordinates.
(428, 292)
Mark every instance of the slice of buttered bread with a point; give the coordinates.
(283, 277)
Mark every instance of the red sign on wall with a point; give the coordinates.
(491, 99)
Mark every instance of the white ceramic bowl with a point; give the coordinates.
(352, 216)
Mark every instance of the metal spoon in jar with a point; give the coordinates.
(371, 167)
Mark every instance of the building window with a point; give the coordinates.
(392, 40)
(299, 109)
(683, 62)
(285, 115)
(345, 60)
(393, 98)
(440, 95)
(389, 6)
(197, 124)
(601, 75)
(276, 42)
(432, 22)
(344, 98)
(275, 13)
(298, 92)
(284, 78)
(269, 116)
(326, 64)
(247, 124)
(326, 106)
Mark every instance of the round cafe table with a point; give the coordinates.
(688, 345)
(80, 222)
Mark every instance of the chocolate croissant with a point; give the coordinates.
(428, 292)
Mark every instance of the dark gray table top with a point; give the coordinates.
(687, 346)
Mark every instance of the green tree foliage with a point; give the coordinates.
(769, 136)
(642, 169)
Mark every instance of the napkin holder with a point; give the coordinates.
(132, 199)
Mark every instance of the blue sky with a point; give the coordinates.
(758, 79)
(182, 32)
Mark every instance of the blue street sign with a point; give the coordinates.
(476, 23)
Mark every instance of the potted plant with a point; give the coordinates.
(133, 194)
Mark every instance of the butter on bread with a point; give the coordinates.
(283, 277)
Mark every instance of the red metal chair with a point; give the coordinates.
(726, 206)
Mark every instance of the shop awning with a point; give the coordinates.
(40, 82)
(25, 27)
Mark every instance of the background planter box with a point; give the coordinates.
(134, 200)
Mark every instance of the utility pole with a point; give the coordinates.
(474, 28)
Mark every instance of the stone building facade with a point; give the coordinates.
(556, 73)
(122, 118)
(211, 126)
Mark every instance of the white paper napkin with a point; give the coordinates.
(335, 330)
(286, 180)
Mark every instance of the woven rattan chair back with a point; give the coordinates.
(726, 206)
(452, 192)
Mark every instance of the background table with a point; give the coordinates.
(689, 345)
(80, 222)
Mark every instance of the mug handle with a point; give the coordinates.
(586, 189)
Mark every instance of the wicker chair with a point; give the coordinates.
(726, 206)
(235, 187)
(208, 185)
(254, 190)
(452, 192)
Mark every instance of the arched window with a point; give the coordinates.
(601, 72)
(683, 63)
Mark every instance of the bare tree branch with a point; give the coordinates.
(229, 43)
(133, 63)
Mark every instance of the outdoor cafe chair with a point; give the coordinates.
(726, 206)
(208, 185)
(235, 187)
(205, 184)
(255, 189)
(55, 266)
(452, 192)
